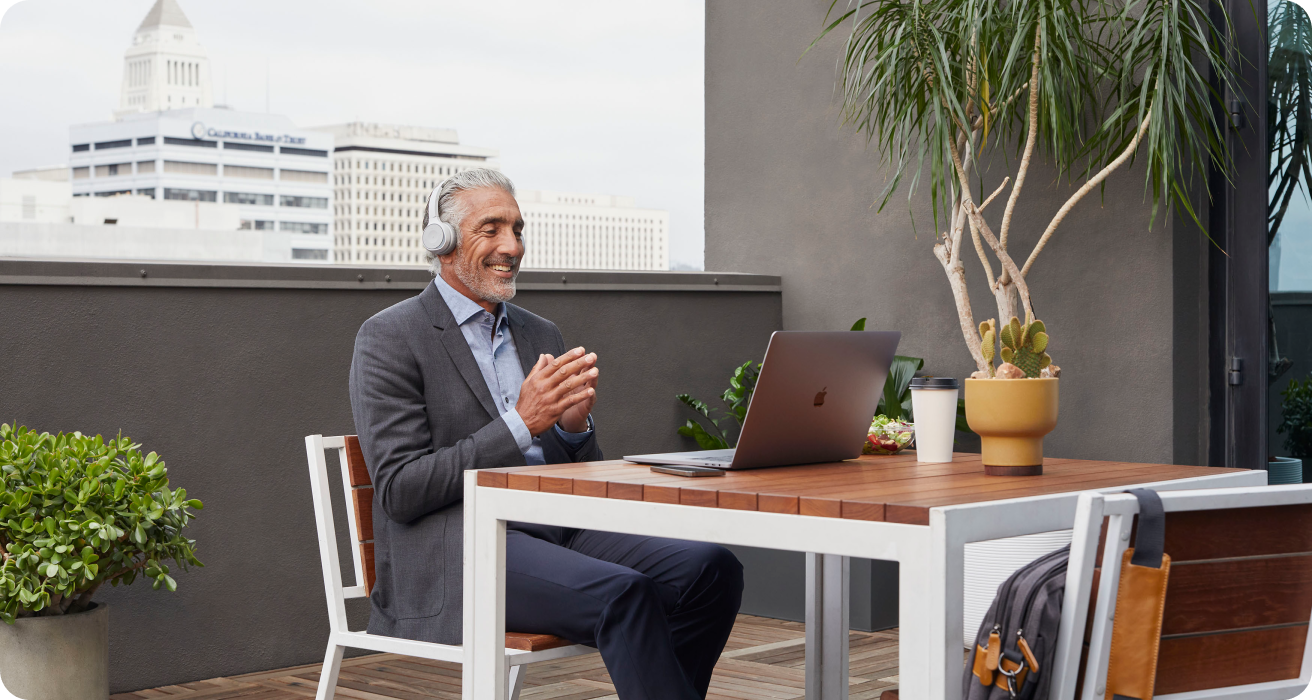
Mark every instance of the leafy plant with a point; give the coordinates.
(736, 398)
(895, 401)
(1296, 417)
(1091, 85)
(77, 511)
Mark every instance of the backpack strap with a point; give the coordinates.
(1151, 537)
(1140, 601)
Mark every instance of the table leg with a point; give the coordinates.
(828, 580)
(489, 631)
(948, 588)
(916, 616)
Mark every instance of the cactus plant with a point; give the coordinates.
(988, 341)
(1025, 346)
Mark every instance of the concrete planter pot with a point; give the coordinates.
(1011, 417)
(62, 657)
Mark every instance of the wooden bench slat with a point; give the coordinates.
(367, 560)
(1239, 532)
(534, 642)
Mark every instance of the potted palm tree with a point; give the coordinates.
(944, 88)
(77, 512)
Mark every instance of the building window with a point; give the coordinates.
(305, 202)
(148, 141)
(248, 172)
(79, 147)
(102, 145)
(289, 151)
(190, 195)
(114, 170)
(113, 193)
(265, 200)
(231, 146)
(147, 192)
(190, 142)
(145, 166)
(256, 224)
(185, 168)
(304, 176)
(301, 227)
(309, 254)
(81, 173)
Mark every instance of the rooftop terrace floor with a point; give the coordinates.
(763, 659)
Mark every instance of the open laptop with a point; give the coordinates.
(813, 402)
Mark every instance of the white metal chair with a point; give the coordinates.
(358, 496)
(1238, 601)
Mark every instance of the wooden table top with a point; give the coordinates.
(890, 488)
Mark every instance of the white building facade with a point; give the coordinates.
(382, 175)
(278, 175)
(566, 231)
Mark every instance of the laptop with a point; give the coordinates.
(813, 402)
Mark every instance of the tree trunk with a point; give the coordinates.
(956, 273)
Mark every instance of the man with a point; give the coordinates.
(457, 378)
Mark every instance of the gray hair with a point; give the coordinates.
(451, 209)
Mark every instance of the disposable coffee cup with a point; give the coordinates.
(934, 401)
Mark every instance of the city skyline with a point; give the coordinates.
(591, 98)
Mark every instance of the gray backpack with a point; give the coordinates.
(1017, 641)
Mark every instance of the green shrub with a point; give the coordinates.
(77, 511)
(1296, 417)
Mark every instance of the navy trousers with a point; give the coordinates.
(659, 610)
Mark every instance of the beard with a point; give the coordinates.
(476, 275)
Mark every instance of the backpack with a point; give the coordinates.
(1017, 642)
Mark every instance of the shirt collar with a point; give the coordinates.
(462, 307)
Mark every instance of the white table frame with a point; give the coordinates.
(931, 569)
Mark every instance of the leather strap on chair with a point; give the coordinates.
(1140, 598)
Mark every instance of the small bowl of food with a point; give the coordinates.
(887, 436)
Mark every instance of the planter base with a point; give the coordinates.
(62, 657)
(1036, 470)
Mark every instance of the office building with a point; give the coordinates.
(567, 231)
(382, 174)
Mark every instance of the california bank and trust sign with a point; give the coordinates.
(200, 131)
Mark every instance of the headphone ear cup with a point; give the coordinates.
(439, 237)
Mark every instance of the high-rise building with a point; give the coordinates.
(166, 67)
(382, 174)
(565, 231)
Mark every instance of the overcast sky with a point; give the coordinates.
(579, 95)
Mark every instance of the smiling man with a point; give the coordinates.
(457, 378)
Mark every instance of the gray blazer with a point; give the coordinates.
(424, 415)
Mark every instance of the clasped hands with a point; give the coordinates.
(559, 390)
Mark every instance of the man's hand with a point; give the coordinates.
(555, 386)
(575, 418)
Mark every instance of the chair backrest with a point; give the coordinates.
(1239, 594)
(358, 503)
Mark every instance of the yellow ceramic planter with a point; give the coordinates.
(1011, 417)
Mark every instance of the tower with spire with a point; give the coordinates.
(166, 67)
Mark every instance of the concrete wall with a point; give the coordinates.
(224, 369)
(789, 191)
(792, 192)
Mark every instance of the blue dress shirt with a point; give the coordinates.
(493, 345)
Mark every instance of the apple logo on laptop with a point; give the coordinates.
(820, 397)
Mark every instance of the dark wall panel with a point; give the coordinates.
(225, 382)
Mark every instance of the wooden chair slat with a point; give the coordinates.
(359, 473)
(367, 558)
(534, 642)
(1242, 532)
(364, 513)
(1222, 660)
(1237, 593)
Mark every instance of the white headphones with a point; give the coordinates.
(439, 236)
